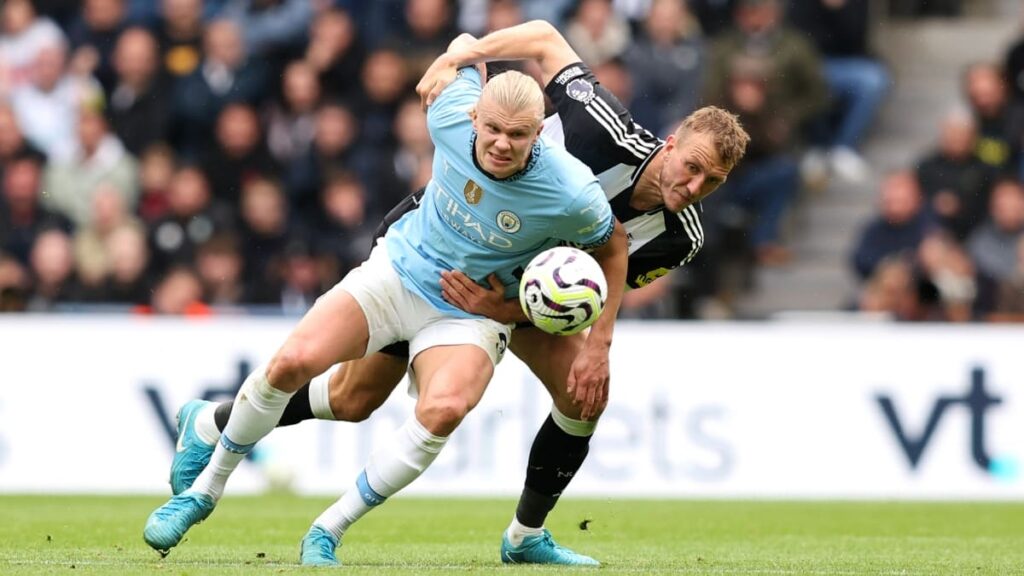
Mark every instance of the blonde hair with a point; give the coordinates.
(729, 136)
(516, 92)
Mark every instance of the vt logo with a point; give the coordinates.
(213, 391)
(977, 401)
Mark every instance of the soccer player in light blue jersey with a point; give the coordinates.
(500, 194)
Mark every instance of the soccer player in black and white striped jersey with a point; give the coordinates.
(654, 188)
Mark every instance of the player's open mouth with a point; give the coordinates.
(500, 159)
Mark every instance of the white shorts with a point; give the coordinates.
(395, 313)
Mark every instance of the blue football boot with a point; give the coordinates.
(542, 549)
(168, 523)
(317, 548)
(191, 454)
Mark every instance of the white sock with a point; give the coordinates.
(258, 408)
(320, 395)
(206, 425)
(390, 468)
(516, 532)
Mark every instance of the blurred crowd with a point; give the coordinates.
(188, 156)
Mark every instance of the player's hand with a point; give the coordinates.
(461, 291)
(588, 381)
(441, 73)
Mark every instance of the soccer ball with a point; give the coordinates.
(563, 290)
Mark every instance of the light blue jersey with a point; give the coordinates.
(471, 222)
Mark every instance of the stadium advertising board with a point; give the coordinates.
(787, 410)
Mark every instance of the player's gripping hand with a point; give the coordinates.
(588, 381)
(462, 292)
(441, 73)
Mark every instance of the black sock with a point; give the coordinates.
(297, 410)
(554, 459)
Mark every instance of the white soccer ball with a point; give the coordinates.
(563, 290)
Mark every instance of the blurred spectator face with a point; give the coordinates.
(336, 130)
(16, 16)
(92, 128)
(1007, 206)
(301, 87)
(12, 274)
(666, 21)
(103, 14)
(157, 168)
(345, 201)
(48, 68)
(301, 271)
(183, 14)
(594, 16)
(107, 208)
(11, 138)
(332, 34)
(223, 43)
(238, 130)
(503, 14)
(126, 246)
(411, 126)
(51, 258)
(176, 292)
(616, 79)
(748, 94)
(263, 207)
(758, 17)
(384, 76)
(959, 134)
(427, 18)
(901, 198)
(219, 262)
(986, 90)
(136, 56)
(21, 184)
(189, 193)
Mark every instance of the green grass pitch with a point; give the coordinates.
(259, 535)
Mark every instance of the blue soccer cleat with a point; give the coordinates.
(191, 454)
(168, 523)
(317, 549)
(542, 549)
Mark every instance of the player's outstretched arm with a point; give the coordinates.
(535, 40)
(589, 374)
(461, 291)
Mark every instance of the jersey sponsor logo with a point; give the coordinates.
(580, 90)
(508, 221)
(464, 222)
(473, 192)
(645, 279)
(568, 74)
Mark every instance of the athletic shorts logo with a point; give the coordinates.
(580, 90)
(473, 192)
(508, 221)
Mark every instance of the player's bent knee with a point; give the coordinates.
(292, 365)
(354, 411)
(441, 416)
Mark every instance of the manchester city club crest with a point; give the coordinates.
(473, 192)
(508, 221)
(580, 90)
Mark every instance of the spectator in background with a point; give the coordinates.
(140, 102)
(12, 142)
(667, 63)
(385, 82)
(955, 182)
(291, 123)
(503, 14)
(898, 229)
(24, 35)
(179, 32)
(1000, 121)
(948, 273)
(156, 169)
(764, 185)
(336, 52)
(272, 28)
(266, 230)
(93, 37)
(48, 107)
(22, 216)
(1009, 294)
(344, 231)
(90, 242)
(429, 26)
(715, 16)
(52, 267)
(14, 285)
(128, 280)
(1013, 66)
(219, 264)
(857, 80)
(179, 292)
(892, 289)
(993, 245)
(226, 75)
(191, 220)
(238, 154)
(98, 158)
(399, 169)
(302, 278)
(596, 32)
(795, 70)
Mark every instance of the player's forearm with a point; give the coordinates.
(512, 312)
(613, 258)
(535, 40)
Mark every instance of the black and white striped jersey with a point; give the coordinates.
(596, 128)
